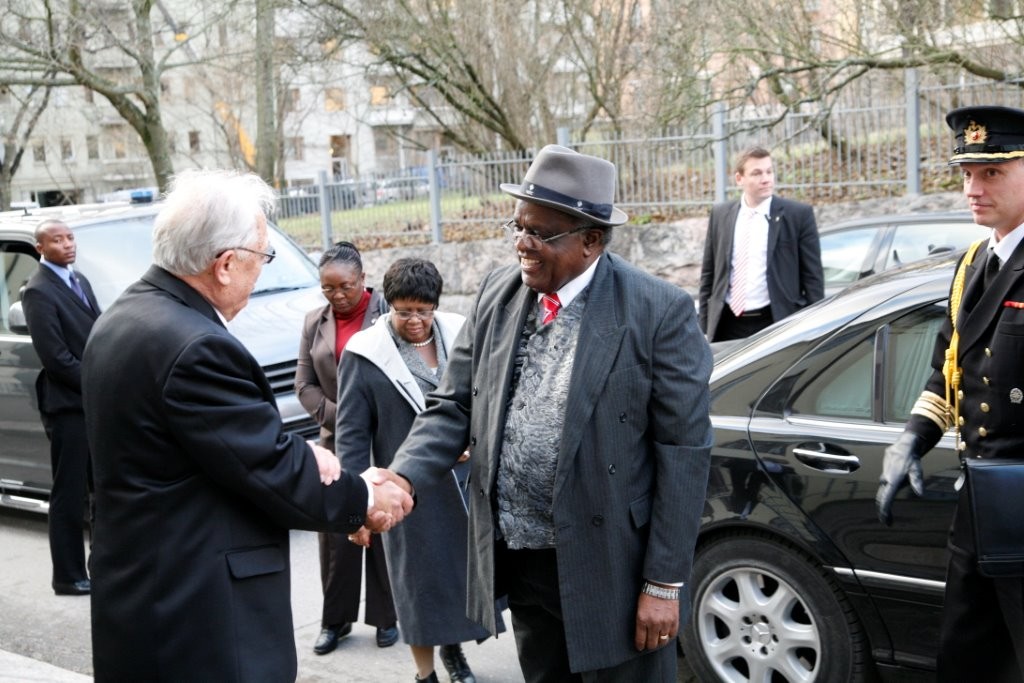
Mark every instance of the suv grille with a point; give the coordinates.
(282, 380)
(281, 376)
(307, 428)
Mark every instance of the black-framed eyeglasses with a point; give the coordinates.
(409, 315)
(268, 256)
(516, 233)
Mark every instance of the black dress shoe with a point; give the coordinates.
(82, 587)
(455, 662)
(329, 637)
(386, 637)
(432, 678)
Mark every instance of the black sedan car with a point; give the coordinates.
(794, 578)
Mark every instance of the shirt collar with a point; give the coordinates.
(64, 272)
(574, 286)
(763, 209)
(1005, 247)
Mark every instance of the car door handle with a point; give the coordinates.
(828, 462)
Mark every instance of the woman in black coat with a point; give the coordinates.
(384, 374)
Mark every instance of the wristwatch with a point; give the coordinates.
(656, 591)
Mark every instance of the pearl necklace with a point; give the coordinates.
(420, 345)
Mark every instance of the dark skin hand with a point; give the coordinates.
(655, 617)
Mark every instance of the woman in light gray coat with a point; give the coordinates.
(384, 374)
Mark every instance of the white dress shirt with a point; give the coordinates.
(753, 222)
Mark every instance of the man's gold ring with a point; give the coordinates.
(664, 637)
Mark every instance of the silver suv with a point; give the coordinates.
(114, 249)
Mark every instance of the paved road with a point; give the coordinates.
(44, 637)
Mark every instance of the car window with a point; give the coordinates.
(908, 359)
(842, 389)
(19, 263)
(843, 254)
(115, 254)
(845, 389)
(914, 242)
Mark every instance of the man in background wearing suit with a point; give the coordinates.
(581, 385)
(60, 309)
(762, 259)
(197, 483)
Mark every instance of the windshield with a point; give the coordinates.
(115, 254)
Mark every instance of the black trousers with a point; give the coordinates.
(341, 570)
(982, 637)
(531, 579)
(69, 463)
(731, 327)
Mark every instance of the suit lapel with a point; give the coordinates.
(728, 234)
(86, 286)
(776, 221)
(506, 331)
(375, 345)
(322, 351)
(986, 311)
(67, 292)
(598, 344)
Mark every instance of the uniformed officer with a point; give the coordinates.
(982, 636)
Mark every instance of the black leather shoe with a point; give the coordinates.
(82, 587)
(386, 637)
(329, 637)
(432, 678)
(455, 662)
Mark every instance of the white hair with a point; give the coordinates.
(206, 213)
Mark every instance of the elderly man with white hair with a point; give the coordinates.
(197, 484)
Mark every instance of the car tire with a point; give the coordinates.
(763, 611)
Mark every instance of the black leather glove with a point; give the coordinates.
(902, 462)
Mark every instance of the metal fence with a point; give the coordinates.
(885, 137)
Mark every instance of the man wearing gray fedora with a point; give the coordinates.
(580, 384)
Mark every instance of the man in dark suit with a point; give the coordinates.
(581, 385)
(762, 258)
(197, 484)
(60, 309)
(982, 636)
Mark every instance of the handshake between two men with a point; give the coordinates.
(389, 493)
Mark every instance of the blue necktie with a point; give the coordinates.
(77, 288)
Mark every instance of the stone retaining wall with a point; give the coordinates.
(671, 251)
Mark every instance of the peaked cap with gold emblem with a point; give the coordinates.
(988, 135)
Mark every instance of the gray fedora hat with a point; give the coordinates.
(573, 183)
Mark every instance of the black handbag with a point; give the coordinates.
(996, 488)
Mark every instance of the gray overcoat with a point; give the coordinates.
(378, 400)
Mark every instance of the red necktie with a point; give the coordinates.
(551, 305)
